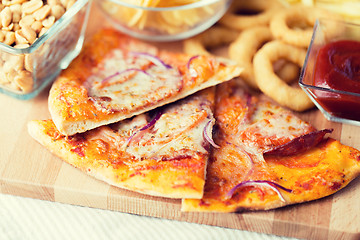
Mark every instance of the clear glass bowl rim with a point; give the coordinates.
(304, 85)
(198, 4)
(52, 30)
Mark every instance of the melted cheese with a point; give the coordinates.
(179, 129)
(131, 81)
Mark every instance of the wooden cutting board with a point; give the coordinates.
(29, 170)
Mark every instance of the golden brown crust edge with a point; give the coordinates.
(107, 174)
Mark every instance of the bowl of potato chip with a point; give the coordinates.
(162, 20)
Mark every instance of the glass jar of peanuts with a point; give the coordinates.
(38, 38)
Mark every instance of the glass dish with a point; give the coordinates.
(336, 105)
(163, 23)
(24, 72)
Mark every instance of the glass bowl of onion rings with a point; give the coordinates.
(163, 20)
(331, 73)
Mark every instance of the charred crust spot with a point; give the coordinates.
(335, 186)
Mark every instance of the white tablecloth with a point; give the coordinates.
(24, 218)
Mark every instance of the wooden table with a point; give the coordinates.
(27, 169)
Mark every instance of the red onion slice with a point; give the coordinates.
(299, 144)
(154, 59)
(251, 160)
(274, 186)
(206, 135)
(190, 60)
(243, 151)
(193, 73)
(150, 124)
(122, 72)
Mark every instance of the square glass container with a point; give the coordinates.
(163, 23)
(24, 72)
(336, 105)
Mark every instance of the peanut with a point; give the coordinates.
(53, 2)
(16, 27)
(28, 63)
(57, 11)
(42, 31)
(15, 8)
(27, 20)
(24, 81)
(22, 22)
(42, 13)
(14, 2)
(16, 17)
(6, 17)
(48, 22)
(37, 26)
(9, 27)
(19, 38)
(31, 6)
(29, 34)
(70, 3)
(9, 38)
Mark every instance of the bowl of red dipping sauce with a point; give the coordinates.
(331, 72)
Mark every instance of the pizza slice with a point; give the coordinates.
(268, 158)
(117, 77)
(162, 153)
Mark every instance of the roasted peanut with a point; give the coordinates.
(69, 4)
(14, 2)
(31, 6)
(42, 13)
(6, 17)
(42, 31)
(25, 45)
(57, 11)
(28, 33)
(27, 20)
(24, 81)
(28, 63)
(53, 2)
(16, 27)
(9, 38)
(37, 26)
(15, 8)
(9, 27)
(16, 17)
(48, 22)
(64, 2)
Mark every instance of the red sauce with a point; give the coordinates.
(338, 68)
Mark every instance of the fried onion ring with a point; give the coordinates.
(265, 11)
(213, 37)
(283, 24)
(270, 84)
(243, 49)
(286, 70)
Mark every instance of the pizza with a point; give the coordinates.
(266, 157)
(116, 77)
(143, 119)
(163, 152)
